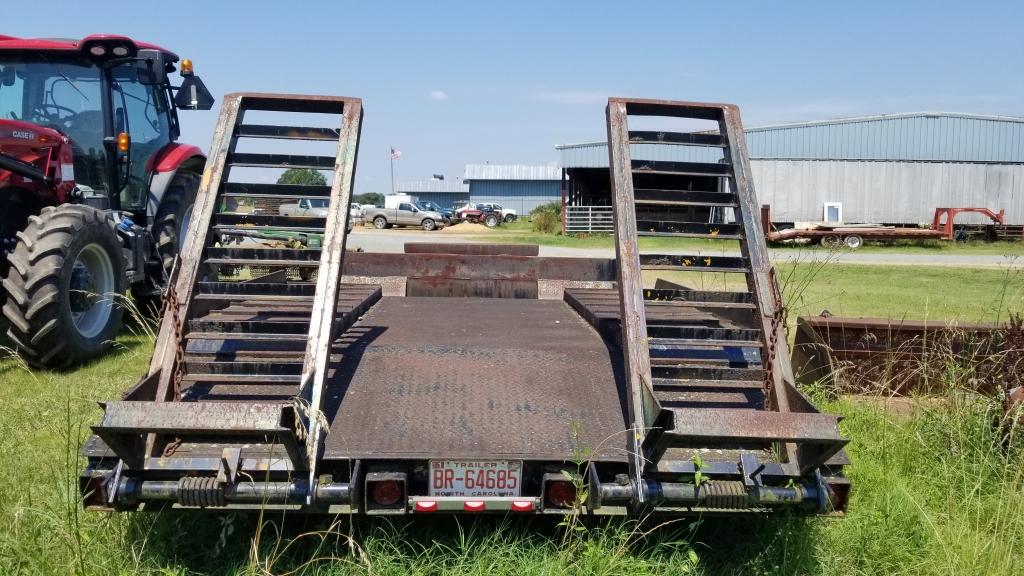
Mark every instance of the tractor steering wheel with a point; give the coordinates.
(50, 113)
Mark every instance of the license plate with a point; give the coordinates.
(475, 478)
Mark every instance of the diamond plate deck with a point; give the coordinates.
(409, 386)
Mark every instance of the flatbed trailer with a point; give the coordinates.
(467, 378)
(853, 235)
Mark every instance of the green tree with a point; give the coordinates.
(306, 176)
(369, 198)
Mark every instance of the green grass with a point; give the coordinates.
(520, 232)
(894, 292)
(934, 492)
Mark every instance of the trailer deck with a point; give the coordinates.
(499, 378)
(296, 375)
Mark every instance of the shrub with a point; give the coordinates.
(545, 222)
(553, 207)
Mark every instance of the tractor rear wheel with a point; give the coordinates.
(169, 228)
(65, 277)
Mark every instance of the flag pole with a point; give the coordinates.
(391, 154)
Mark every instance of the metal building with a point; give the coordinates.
(444, 193)
(893, 169)
(519, 187)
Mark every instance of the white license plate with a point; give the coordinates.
(475, 478)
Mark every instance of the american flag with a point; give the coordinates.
(396, 153)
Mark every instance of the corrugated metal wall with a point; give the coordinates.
(891, 192)
(936, 137)
(927, 137)
(596, 155)
(520, 195)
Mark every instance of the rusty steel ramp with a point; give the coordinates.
(253, 307)
(474, 378)
(711, 393)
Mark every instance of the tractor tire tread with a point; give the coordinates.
(34, 281)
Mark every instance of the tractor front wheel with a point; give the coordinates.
(65, 277)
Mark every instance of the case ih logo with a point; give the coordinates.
(23, 134)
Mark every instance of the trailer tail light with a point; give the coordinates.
(474, 506)
(93, 493)
(385, 493)
(560, 493)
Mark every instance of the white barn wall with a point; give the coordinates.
(890, 192)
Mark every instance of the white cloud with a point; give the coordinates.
(573, 96)
(439, 95)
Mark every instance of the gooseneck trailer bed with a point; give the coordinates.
(467, 378)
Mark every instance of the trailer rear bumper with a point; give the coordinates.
(110, 490)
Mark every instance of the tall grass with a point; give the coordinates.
(937, 489)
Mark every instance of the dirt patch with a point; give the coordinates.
(468, 228)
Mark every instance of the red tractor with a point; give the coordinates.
(95, 192)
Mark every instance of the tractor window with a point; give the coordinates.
(12, 89)
(142, 112)
(59, 94)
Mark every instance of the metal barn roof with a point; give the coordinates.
(511, 172)
(432, 186)
(915, 137)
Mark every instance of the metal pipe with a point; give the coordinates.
(721, 494)
(292, 492)
(24, 169)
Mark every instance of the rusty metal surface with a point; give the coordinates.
(461, 287)
(474, 378)
(474, 267)
(472, 249)
(892, 355)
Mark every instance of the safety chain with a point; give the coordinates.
(778, 314)
(171, 307)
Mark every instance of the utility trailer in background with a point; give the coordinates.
(356, 389)
(836, 234)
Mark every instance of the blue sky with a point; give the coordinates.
(451, 83)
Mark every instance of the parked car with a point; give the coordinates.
(355, 213)
(317, 208)
(310, 207)
(432, 207)
(407, 214)
(507, 214)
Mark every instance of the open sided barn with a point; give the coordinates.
(891, 169)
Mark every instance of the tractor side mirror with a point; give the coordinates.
(193, 95)
(152, 67)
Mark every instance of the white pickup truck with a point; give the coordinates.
(317, 208)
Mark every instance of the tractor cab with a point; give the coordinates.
(110, 97)
(96, 193)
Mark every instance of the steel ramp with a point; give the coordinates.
(719, 376)
(254, 303)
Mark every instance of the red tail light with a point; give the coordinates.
(560, 493)
(386, 493)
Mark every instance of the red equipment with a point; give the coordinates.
(95, 192)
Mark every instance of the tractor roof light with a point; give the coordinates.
(98, 50)
(186, 67)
